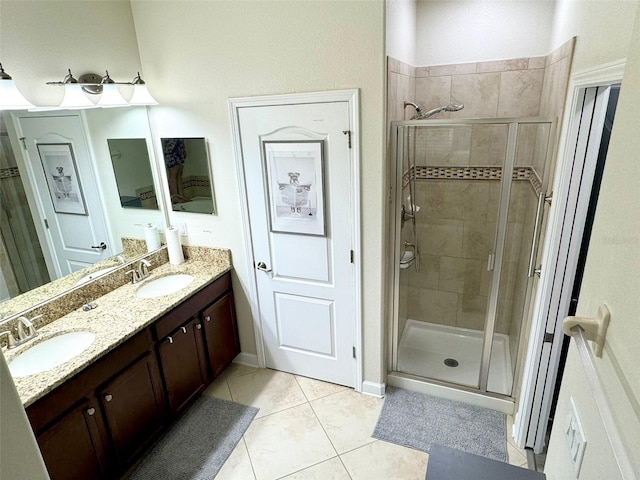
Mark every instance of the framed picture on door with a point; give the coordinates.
(61, 173)
(294, 173)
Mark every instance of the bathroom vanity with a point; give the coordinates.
(95, 415)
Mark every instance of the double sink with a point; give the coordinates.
(63, 347)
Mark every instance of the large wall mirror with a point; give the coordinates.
(188, 174)
(120, 148)
(132, 168)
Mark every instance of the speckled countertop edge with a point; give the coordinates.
(118, 317)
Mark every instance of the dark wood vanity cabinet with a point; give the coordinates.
(96, 424)
(221, 333)
(74, 446)
(133, 408)
(118, 407)
(183, 363)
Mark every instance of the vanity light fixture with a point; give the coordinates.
(10, 96)
(111, 96)
(105, 86)
(73, 96)
(141, 95)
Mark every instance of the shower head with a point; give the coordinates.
(452, 107)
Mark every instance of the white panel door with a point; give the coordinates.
(305, 282)
(76, 221)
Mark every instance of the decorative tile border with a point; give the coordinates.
(472, 173)
(9, 172)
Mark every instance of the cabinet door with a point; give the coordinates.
(183, 366)
(72, 447)
(134, 409)
(221, 333)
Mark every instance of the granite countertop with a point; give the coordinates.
(119, 315)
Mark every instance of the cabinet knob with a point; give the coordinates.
(199, 326)
(169, 339)
(207, 318)
(184, 329)
(108, 397)
(91, 411)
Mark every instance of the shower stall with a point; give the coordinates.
(469, 202)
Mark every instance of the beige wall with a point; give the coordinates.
(196, 55)
(611, 277)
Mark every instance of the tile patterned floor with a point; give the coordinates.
(307, 429)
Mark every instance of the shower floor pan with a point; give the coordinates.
(431, 351)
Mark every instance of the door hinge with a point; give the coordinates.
(353, 352)
(549, 198)
(548, 337)
(348, 132)
(24, 142)
(351, 256)
(46, 223)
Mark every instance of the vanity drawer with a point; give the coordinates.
(192, 306)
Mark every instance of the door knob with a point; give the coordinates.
(102, 246)
(262, 266)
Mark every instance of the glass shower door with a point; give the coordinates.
(452, 173)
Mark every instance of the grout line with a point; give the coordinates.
(249, 456)
(323, 429)
(306, 468)
(300, 387)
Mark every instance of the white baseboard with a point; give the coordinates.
(250, 359)
(374, 389)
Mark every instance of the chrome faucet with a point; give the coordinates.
(143, 269)
(26, 331)
(135, 276)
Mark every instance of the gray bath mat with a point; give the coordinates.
(198, 444)
(417, 420)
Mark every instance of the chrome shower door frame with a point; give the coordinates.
(399, 136)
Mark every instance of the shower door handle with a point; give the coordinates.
(491, 261)
(537, 231)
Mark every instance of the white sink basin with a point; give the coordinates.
(49, 354)
(96, 274)
(164, 286)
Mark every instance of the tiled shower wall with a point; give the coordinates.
(457, 218)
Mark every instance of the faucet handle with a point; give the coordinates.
(135, 275)
(11, 340)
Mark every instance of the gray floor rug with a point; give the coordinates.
(417, 420)
(198, 444)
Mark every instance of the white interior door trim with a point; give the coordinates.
(353, 98)
(602, 75)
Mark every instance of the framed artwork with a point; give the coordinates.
(61, 173)
(294, 173)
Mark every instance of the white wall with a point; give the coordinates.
(613, 263)
(459, 31)
(20, 456)
(40, 40)
(197, 55)
(603, 29)
(401, 30)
